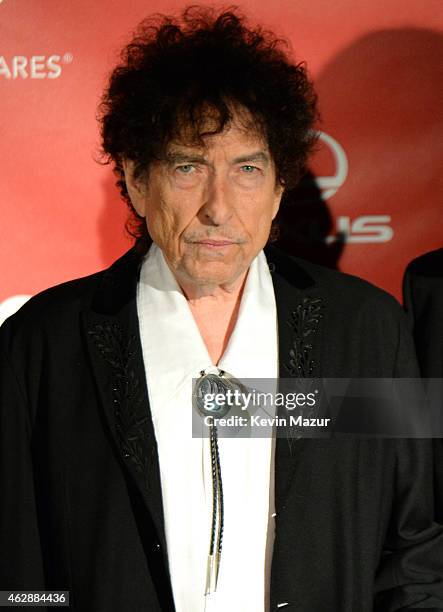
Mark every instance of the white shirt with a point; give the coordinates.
(174, 353)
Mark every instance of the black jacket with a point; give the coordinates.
(423, 300)
(423, 297)
(81, 505)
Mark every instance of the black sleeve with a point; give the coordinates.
(410, 574)
(406, 363)
(423, 302)
(21, 564)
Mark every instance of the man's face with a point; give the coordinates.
(210, 209)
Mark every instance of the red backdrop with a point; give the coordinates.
(378, 69)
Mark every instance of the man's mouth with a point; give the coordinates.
(215, 243)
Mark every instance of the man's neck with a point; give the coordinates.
(215, 310)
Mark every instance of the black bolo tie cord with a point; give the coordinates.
(217, 494)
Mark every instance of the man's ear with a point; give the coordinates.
(137, 191)
(279, 189)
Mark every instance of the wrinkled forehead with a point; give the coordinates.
(208, 126)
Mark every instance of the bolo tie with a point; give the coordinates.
(212, 383)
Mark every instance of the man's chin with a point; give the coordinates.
(213, 273)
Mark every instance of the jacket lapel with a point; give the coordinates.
(300, 309)
(112, 336)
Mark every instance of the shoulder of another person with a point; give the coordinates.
(428, 265)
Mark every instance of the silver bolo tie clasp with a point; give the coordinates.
(218, 385)
(212, 385)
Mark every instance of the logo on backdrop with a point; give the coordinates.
(34, 66)
(364, 229)
(329, 185)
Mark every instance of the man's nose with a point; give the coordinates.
(217, 206)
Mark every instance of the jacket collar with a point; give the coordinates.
(112, 335)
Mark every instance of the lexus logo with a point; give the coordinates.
(363, 229)
(329, 185)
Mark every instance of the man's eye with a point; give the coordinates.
(248, 169)
(186, 168)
